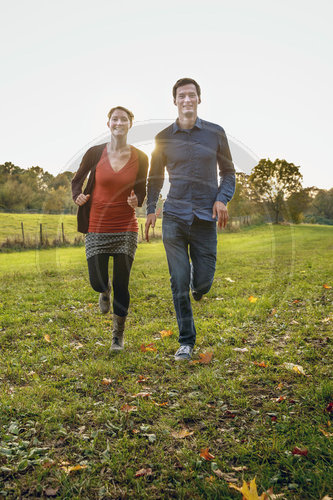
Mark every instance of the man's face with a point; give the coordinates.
(187, 100)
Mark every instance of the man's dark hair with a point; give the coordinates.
(185, 81)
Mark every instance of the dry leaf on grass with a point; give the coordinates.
(128, 408)
(230, 280)
(262, 364)
(51, 492)
(106, 381)
(205, 358)
(182, 434)
(148, 348)
(252, 299)
(141, 395)
(250, 492)
(296, 368)
(326, 434)
(72, 468)
(327, 286)
(329, 407)
(166, 333)
(241, 468)
(299, 451)
(204, 453)
(160, 404)
(143, 472)
(230, 477)
(47, 338)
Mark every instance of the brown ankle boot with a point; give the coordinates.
(118, 333)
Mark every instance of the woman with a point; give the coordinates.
(106, 213)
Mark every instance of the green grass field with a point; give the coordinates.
(63, 430)
(10, 227)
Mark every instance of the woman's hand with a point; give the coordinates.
(82, 199)
(132, 200)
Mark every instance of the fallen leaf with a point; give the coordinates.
(205, 358)
(142, 395)
(230, 280)
(51, 492)
(329, 407)
(72, 468)
(128, 408)
(327, 497)
(281, 398)
(240, 468)
(327, 434)
(299, 451)
(249, 491)
(182, 434)
(142, 379)
(262, 364)
(47, 338)
(78, 346)
(166, 333)
(148, 348)
(107, 381)
(269, 495)
(252, 299)
(294, 322)
(280, 386)
(224, 475)
(296, 368)
(326, 320)
(273, 311)
(296, 301)
(143, 472)
(240, 349)
(204, 453)
(327, 286)
(160, 404)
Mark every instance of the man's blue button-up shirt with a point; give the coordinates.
(191, 158)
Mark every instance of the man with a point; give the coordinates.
(190, 149)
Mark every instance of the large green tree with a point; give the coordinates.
(273, 183)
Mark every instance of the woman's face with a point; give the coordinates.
(119, 123)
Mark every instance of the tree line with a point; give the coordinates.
(273, 190)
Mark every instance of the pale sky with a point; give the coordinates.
(264, 67)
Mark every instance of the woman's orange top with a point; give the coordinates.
(110, 212)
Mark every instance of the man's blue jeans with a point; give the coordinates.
(182, 243)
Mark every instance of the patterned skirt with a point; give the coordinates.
(97, 243)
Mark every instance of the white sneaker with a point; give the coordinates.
(184, 353)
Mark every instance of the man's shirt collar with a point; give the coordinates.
(176, 128)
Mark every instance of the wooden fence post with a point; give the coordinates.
(41, 234)
(22, 229)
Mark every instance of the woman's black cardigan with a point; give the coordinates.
(88, 166)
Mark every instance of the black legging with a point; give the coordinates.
(98, 267)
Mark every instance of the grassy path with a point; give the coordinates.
(64, 430)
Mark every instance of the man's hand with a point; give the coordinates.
(220, 210)
(132, 200)
(151, 220)
(82, 199)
